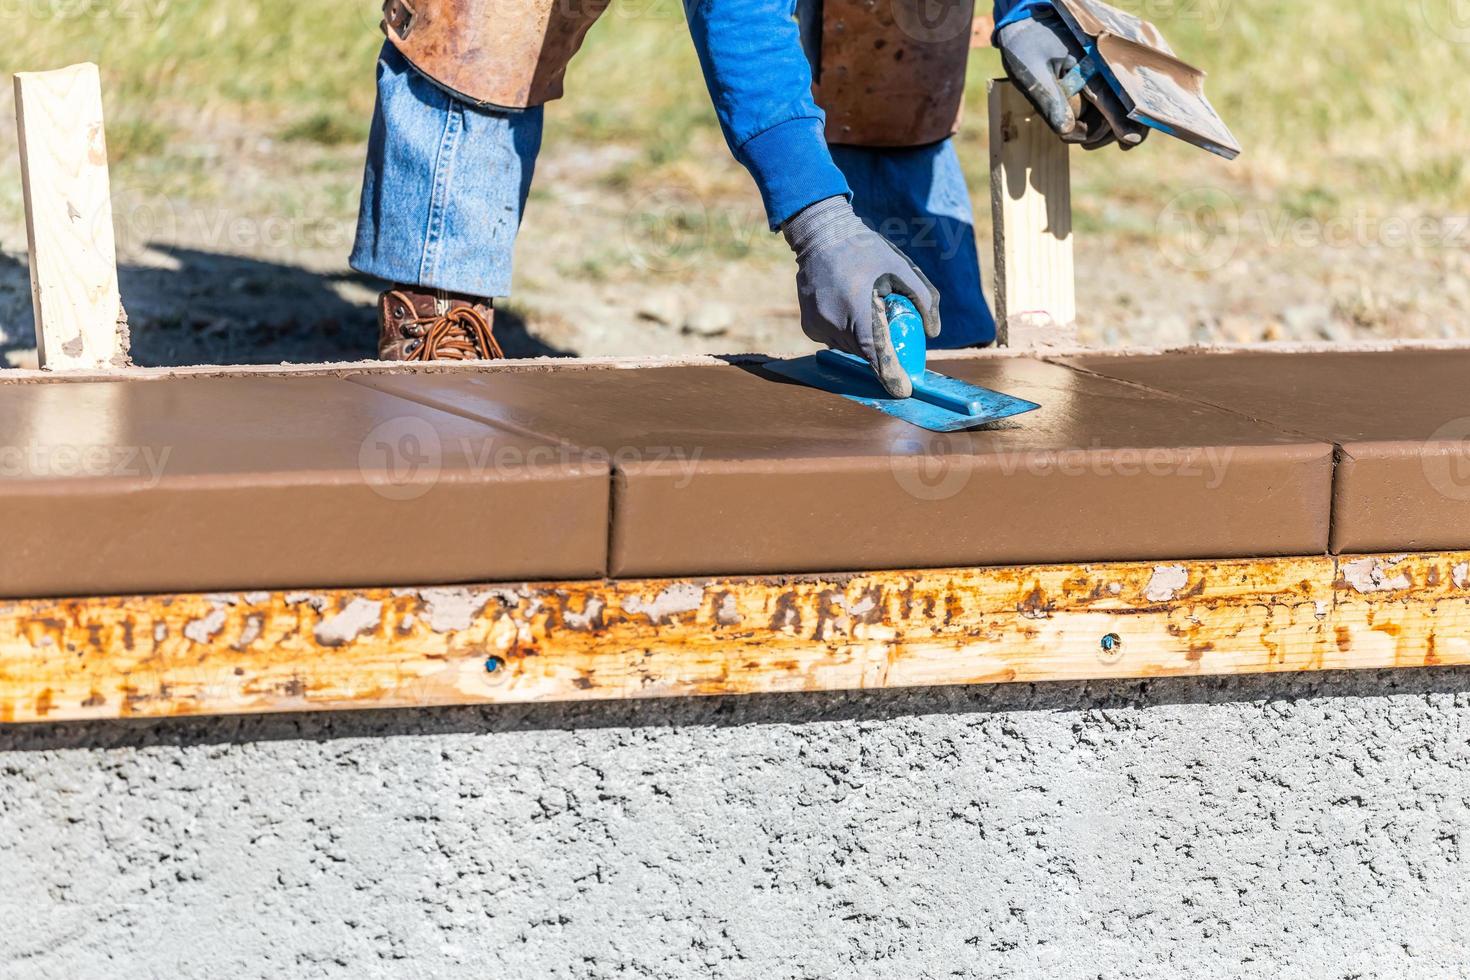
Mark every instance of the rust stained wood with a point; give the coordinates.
(261, 652)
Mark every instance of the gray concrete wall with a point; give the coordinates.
(1305, 825)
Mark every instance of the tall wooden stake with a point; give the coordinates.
(63, 165)
(1031, 206)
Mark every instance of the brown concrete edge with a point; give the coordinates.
(1341, 540)
(1064, 360)
(346, 369)
(1336, 545)
(342, 368)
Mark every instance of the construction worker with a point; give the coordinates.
(881, 208)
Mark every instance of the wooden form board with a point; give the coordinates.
(63, 159)
(229, 653)
(1031, 210)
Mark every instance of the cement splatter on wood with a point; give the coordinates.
(727, 613)
(452, 609)
(251, 632)
(1166, 582)
(682, 597)
(360, 616)
(1369, 575)
(588, 618)
(203, 630)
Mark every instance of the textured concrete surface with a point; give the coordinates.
(1258, 826)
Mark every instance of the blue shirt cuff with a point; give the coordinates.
(1017, 11)
(792, 167)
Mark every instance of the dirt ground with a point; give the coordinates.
(686, 267)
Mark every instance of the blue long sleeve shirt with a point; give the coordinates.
(761, 85)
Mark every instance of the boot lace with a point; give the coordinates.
(463, 333)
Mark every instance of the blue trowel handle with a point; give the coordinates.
(906, 328)
(1076, 80)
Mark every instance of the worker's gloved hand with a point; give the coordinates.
(1037, 53)
(844, 269)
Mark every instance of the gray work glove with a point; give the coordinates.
(844, 269)
(1037, 53)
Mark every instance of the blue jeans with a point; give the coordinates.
(917, 199)
(446, 183)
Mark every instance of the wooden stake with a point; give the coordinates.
(1031, 206)
(63, 166)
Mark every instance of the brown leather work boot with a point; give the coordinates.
(420, 324)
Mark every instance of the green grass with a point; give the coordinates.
(327, 129)
(1338, 105)
(134, 139)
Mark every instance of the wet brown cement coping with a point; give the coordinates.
(1400, 422)
(727, 470)
(344, 474)
(198, 484)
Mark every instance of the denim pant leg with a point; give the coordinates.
(917, 199)
(444, 187)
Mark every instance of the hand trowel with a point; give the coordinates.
(1130, 56)
(939, 403)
